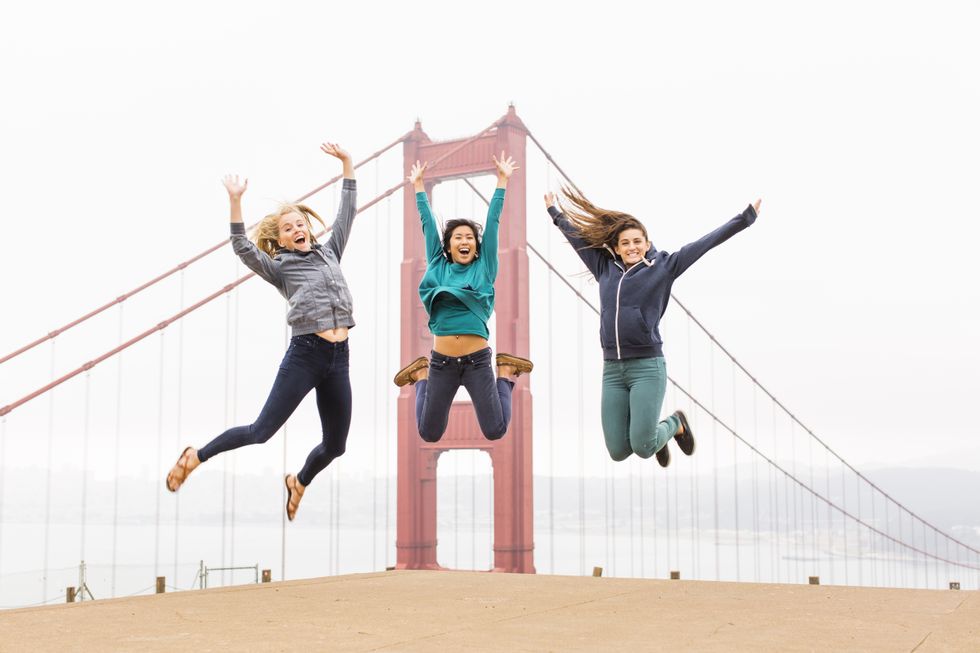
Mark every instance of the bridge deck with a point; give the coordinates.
(425, 611)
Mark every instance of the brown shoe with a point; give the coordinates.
(663, 456)
(404, 375)
(520, 365)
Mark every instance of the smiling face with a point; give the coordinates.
(631, 246)
(462, 245)
(294, 232)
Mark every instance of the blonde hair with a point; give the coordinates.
(265, 235)
(599, 227)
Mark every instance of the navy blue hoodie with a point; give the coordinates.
(633, 300)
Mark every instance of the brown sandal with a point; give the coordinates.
(520, 365)
(404, 375)
(291, 507)
(181, 466)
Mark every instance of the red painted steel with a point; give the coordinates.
(511, 456)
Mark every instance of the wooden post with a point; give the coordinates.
(161, 584)
(814, 580)
(597, 571)
(69, 595)
(266, 575)
(675, 575)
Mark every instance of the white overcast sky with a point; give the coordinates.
(854, 297)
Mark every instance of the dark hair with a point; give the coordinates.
(598, 227)
(451, 226)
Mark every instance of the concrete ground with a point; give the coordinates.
(471, 611)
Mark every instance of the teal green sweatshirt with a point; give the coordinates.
(459, 298)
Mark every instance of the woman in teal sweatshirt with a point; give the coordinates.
(457, 292)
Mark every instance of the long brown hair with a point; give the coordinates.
(599, 227)
(266, 232)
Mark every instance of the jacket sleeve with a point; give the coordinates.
(345, 218)
(683, 258)
(254, 258)
(430, 230)
(491, 234)
(595, 260)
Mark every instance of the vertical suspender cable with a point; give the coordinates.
(814, 522)
(282, 501)
(375, 389)
(874, 548)
(695, 490)
(115, 460)
(179, 421)
(456, 457)
(336, 473)
(233, 413)
(159, 465)
(797, 532)
(85, 442)
(774, 494)
(47, 482)
(738, 560)
(714, 449)
(755, 481)
(551, 400)
(3, 477)
(830, 520)
(843, 498)
(226, 460)
(860, 546)
(388, 446)
(581, 442)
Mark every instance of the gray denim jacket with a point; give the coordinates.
(312, 282)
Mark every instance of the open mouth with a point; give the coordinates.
(464, 251)
(300, 240)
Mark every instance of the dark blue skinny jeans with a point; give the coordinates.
(310, 363)
(434, 396)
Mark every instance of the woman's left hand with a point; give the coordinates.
(335, 150)
(505, 166)
(757, 205)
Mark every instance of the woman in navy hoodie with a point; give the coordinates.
(634, 287)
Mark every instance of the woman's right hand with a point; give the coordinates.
(549, 200)
(234, 187)
(418, 170)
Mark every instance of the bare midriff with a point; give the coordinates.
(460, 345)
(334, 335)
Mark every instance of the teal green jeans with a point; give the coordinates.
(632, 396)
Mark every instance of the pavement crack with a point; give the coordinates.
(923, 641)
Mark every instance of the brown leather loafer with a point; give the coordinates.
(520, 365)
(404, 376)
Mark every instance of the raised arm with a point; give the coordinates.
(430, 230)
(348, 201)
(594, 259)
(683, 258)
(491, 228)
(254, 259)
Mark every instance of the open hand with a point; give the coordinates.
(418, 170)
(505, 166)
(549, 200)
(234, 187)
(757, 205)
(335, 150)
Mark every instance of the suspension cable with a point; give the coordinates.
(776, 401)
(227, 288)
(194, 259)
